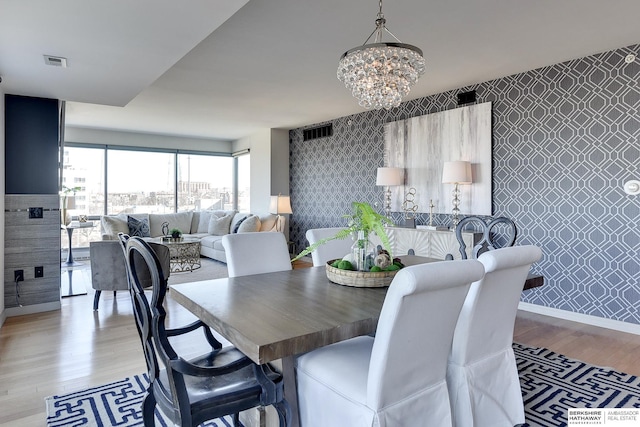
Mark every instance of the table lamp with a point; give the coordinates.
(456, 173)
(388, 177)
(280, 205)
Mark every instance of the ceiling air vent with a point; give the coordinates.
(56, 61)
(319, 132)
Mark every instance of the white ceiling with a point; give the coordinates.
(223, 69)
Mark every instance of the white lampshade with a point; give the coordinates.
(456, 172)
(390, 176)
(280, 205)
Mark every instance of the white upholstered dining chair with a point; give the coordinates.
(482, 375)
(333, 249)
(396, 378)
(254, 253)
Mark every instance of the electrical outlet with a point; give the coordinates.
(39, 272)
(18, 275)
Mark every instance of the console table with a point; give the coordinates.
(428, 243)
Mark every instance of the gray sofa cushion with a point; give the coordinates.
(211, 241)
(180, 220)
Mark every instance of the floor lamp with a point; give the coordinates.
(280, 205)
(456, 173)
(389, 177)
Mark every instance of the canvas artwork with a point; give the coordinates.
(422, 144)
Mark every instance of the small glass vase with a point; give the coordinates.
(362, 252)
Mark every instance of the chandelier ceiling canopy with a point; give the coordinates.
(380, 74)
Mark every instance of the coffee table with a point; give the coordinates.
(184, 254)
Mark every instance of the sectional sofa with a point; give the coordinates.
(208, 226)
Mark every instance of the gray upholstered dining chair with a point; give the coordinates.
(482, 375)
(221, 382)
(254, 253)
(398, 377)
(333, 249)
(489, 240)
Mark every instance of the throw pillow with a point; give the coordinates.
(235, 227)
(219, 226)
(112, 225)
(203, 223)
(138, 227)
(250, 225)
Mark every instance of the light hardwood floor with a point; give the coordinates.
(74, 348)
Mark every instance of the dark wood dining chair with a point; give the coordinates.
(220, 382)
(490, 240)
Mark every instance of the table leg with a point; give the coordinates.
(290, 389)
(70, 262)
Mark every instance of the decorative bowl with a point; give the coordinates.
(359, 279)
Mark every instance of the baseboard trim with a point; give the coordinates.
(34, 308)
(616, 325)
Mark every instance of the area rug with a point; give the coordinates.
(551, 384)
(210, 269)
(114, 404)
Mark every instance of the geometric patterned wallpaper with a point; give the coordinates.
(565, 139)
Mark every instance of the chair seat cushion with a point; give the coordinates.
(213, 397)
(335, 377)
(343, 366)
(210, 241)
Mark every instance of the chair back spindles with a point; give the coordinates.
(189, 392)
(488, 241)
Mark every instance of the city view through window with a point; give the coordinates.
(148, 182)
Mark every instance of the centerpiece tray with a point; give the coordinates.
(359, 279)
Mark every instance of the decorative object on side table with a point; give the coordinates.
(68, 202)
(456, 173)
(82, 218)
(176, 235)
(409, 207)
(280, 205)
(389, 177)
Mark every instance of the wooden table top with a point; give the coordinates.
(275, 315)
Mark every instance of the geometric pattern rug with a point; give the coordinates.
(114, 404)
(551, 384)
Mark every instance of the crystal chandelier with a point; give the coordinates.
(380, 74)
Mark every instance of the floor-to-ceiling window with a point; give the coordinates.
(204, 182)
(140, 182)
(113, 180)
(244, 181)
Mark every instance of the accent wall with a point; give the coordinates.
(565, 139)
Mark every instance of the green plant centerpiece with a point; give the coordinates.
(364, 257)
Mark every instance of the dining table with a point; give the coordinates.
(276, 316)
